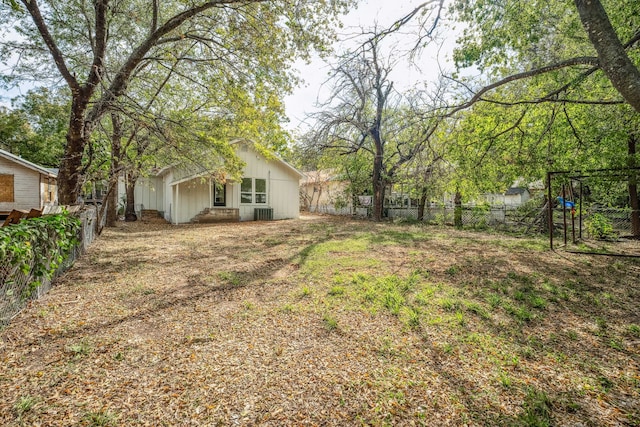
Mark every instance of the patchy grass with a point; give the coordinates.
(326, 321)
(23, 405)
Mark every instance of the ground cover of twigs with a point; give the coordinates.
(330, 322)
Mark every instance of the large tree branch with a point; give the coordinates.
(97, 67)
(396, 26)
(121, 78)
(582, 77)
(553, 96)
(58, 57)
(154, 16)
(614, 61)
(584, 60)
(553, 100)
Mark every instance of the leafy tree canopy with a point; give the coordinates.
(35, 128)
(107, 51)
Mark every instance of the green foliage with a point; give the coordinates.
(100, 419)
(518, 133)
(37, 247)
(600, 227)
(79, 349)
(24, 405)
(35, 129)
(330, 322)
(536, 409)
(306, 291)
(231, 278)
(226, 62)
(336, 290)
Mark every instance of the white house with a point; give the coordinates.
(513, 197)
(268, 190)
(516, 196)
(25, 185)
(322, 191)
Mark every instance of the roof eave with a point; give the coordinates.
(17, 159)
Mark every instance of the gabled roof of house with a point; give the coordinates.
(201, 173)
(273, 155)
(318, 176)
(27, 164)
(514, 191)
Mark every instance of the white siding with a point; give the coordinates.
(286, 200)
(182, 202)
(26, 182)
(516, 199)
(168, 196)
(190, 199)
(149, 193)
(282, 186)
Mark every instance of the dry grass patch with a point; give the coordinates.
(326, 321)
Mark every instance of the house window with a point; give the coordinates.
(6, 188)
(253, 190)
(219, 195)
(261, 190)
(246, 194)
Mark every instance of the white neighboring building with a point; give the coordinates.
(513, 197)
(269, 190)
(516, 196)
(25, 185)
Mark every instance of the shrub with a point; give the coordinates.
(600, 227)
(37, 248)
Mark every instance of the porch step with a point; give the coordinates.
(149, 213)
(212, 215)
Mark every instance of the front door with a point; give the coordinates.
(219, 194)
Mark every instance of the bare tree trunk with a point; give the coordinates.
(422, 203)
(114, 170)
(130, 187)
(318, 199)
(633, 188)
(457, 210)
(378, 189)
(69, 179)
(112, 203)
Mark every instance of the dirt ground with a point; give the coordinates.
(261, 324)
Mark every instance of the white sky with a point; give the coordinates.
(369, 12)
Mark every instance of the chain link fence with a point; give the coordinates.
(530, 218)
(595, 222)
(331, 210)
(17, 287)
(619, 218)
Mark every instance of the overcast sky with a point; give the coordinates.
(405, 75)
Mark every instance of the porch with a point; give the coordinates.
(215, 214)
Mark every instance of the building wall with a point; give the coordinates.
(182, 202)
(282, 186)
(48, 191)
(322, 194)
(26, 187)
(149, 193)
(190, 198)
(516, 199)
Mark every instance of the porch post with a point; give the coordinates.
(177, 200)
(210, 195)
